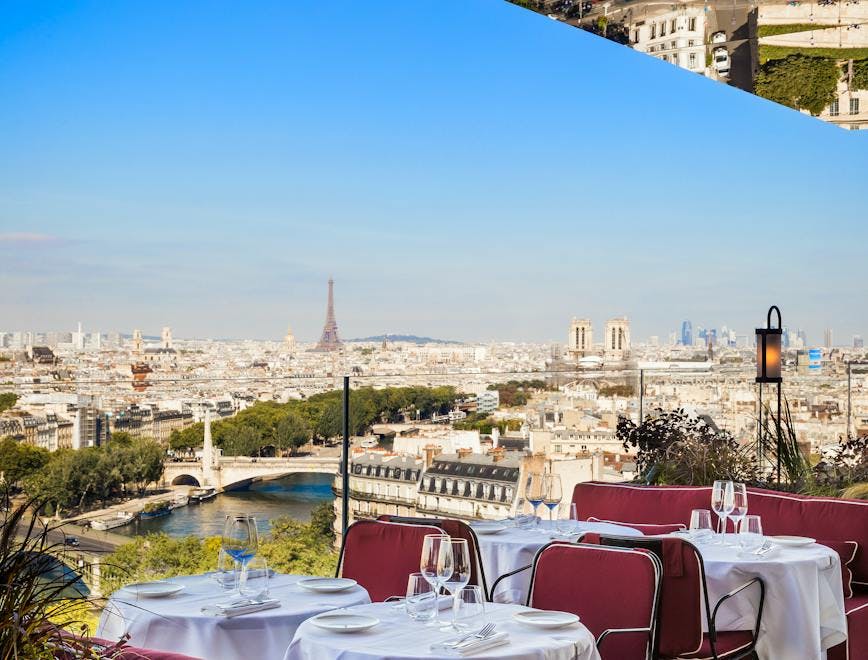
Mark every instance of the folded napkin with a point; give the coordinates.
(476, 645)
(240, 607)
(229, 577)
(444, 602)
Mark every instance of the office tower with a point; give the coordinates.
(687, 333)
(580, 341)
(858, 342)
(827, 338)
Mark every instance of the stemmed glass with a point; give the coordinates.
(534, 491)
(739, 505)
(722, 501)
(460, 556)
(436, 561)
(240, 541)
(553, 493)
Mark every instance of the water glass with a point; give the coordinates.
(254, 578)
(469, 604)
(421, 601)
(750, 535)
(700, 525)
(568, 521)
(225, 575)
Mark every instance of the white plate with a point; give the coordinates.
(159, 589)
(545, 618)
(327, 585)
(344, 622)
(488, 528)
(792, 540)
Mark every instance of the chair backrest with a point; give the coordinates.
(381, 555)
(608, 588)
(682, 593)
(456, 529)
(828, 518)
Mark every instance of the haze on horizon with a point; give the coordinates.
(464, 170)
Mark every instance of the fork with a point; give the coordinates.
(482, 633)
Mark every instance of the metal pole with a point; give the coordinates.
(849, 400)
(779, 434)
(641, 396)
(760, 444)
(345, 463)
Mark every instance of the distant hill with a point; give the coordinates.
(411, 339)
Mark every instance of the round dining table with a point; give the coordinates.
(398, 637)
(514, 547)
(178, 623)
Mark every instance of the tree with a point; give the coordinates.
(292, 432)
(860, 75)
(7, 401)
(802, 82)
(19, 461)
(243, 441)
(331, 421)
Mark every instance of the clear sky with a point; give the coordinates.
(463, 168)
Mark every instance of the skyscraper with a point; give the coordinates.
(329, 340)
(827, 338)
(858, 342)
(687, 333)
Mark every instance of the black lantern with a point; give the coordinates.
(768, 350)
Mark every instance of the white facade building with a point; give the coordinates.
(674, 36)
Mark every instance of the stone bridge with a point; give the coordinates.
(226, 473)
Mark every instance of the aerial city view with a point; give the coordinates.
(433, 329)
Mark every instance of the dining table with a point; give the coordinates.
(187, 621)
(397, 637)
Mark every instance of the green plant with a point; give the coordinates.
(856, 492)
(796, 472)
(799, 81)
(860, 75)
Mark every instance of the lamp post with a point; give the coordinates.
(768, 370)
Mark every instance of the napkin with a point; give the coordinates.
(229, 576)
(444, 602)
(238, 608)
(477, 645)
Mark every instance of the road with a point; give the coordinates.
(90, 542)
(735, 21)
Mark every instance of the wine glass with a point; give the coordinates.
(721, 502)
(432, 567)
(552, 494)
(534, 490)
(459, 557)
(240, 540)
(739, 505)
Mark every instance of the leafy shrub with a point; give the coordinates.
(799, 81)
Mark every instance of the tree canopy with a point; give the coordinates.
(799, 81)
(19, 461)
(7, 401)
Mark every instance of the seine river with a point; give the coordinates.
(294, 496)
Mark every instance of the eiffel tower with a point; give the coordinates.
(329, 340)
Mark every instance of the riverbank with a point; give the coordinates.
(134, 505)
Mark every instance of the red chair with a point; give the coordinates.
(381, 555)
(615, 591)
(456, 529)
(683, 597)
(74, 646)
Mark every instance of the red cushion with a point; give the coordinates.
(133, 652)
(606, 587)
(646, 529)
(380, 555)
(847, 552)
(729, 643)
(856, 609)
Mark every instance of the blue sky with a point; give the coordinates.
(463, 168)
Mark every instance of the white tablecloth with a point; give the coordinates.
(803, 614)
(177, 624)
(399, 638)
(513, 548)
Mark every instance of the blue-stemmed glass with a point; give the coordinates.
(240, 541)
(553, 493)
(534, 491)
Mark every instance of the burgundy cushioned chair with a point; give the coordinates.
(112, 650)
(683, 597)
(457, 529)
(615, 591)
(380, 555)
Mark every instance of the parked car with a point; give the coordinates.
(721, 61)
(719, 37)
(70, 540)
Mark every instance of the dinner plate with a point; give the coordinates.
(488, 528)
(545, 618)
(344, 622)
(327, 585)
(792, 540)
(158, 589)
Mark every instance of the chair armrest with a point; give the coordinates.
(712, 626)
(621, 631)
(503, 577)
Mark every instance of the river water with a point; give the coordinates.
(294, 496)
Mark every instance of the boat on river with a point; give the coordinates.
(179, 500)
(119, 519)
(155, 510)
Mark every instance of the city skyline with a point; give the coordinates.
(219, 198)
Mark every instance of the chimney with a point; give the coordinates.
(430, 452)
(497, 454)
(464, 452)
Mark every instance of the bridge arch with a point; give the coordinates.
(185, 480)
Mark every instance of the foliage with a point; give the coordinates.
(19, 461)
(768, 53)
(81, 478)
(799, 81)
(773, 30)
(292, 432)
(796, 471)
(485, 424)
(616, 390)
(860, 75)
(846, 465)
(675, 448)
(856, 492)
(7, 401)
(30, 602)
(291, 547)
(517, 392)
